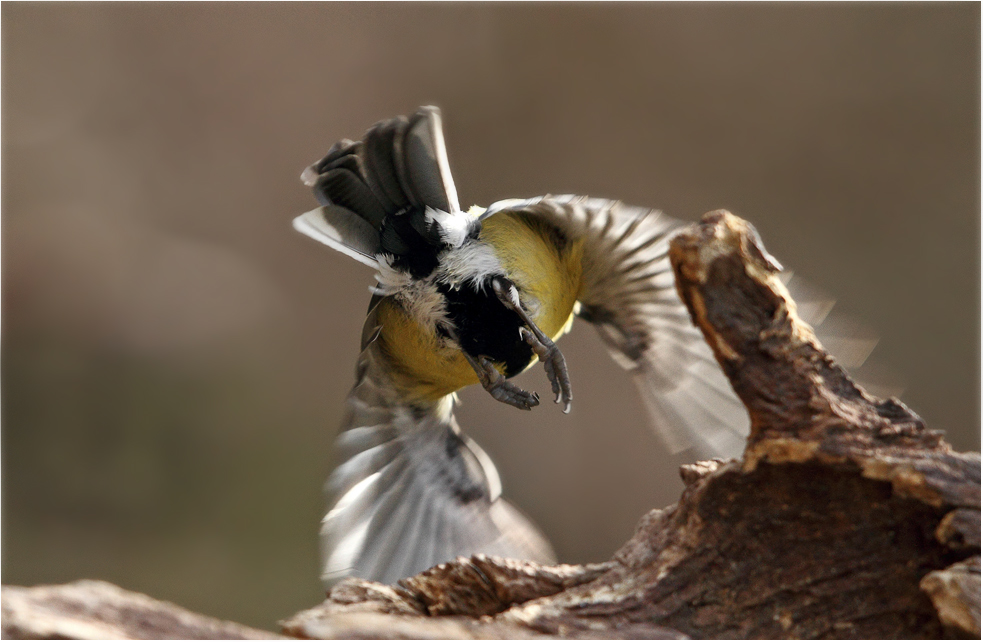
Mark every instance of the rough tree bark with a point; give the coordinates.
(845, 518)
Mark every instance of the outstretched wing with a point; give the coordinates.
(412, 491)
(629, 294)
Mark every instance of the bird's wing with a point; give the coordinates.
(412, 491)
(629, 294)
(849, 340)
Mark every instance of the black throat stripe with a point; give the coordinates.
(487, 328)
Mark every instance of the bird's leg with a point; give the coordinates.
(542, 345)
(498, 386)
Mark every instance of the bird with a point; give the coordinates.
(476, 296)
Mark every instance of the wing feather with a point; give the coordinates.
(628, 293)
(411, 491)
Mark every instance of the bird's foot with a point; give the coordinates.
(502, 389)
(542, 345)
(554, 363)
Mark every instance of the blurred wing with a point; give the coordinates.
(629, 294)
(849, 340)
(412, 491)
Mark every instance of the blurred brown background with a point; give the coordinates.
(175, 356)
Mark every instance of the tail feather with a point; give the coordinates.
(379, 151)
(399, 166)
(341, 186)
(424, 156)
(339, 229)
(393, 179)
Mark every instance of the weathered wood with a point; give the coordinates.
(93, 610)
(955, 592)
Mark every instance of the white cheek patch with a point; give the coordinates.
(454, 227)
(471, 263)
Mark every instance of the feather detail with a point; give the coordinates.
(342, 230)
(412, 492)
(628, 292)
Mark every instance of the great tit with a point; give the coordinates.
(478, 296)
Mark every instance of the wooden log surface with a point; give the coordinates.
(846, 517)
(94, 610)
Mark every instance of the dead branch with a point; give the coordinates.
(93, 610)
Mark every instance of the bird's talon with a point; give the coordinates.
(542, 345)
(507, 392)
(554, 364)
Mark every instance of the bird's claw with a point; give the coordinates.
(505, 391)
(555, 365)
(542, 345)
(513, 395)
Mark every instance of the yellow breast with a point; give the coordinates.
(544, 265)
(424, 366)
